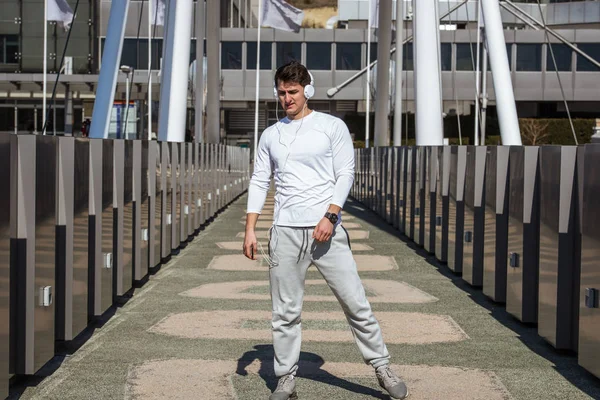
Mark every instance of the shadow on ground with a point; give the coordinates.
(565, 362)
(309, 367)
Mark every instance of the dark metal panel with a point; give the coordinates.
(402, 188)
(153, 198)
(167, 199)
(431, 175)
(145, 213)
(589, 311)
(442, 203)
(559, 261)
(456, 206)
(140, 209)
(496, 223)
(72, 229)
(410, 199)
(123, 217)
(420, 200)
(183, 190)
(474, 216)
(196, 186)
(523, 231)
(175, 196)
(80, 238)
(5, 212)
(106, 268)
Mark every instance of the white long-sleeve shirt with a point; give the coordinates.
(313, 164)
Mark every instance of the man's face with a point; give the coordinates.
(291, 97)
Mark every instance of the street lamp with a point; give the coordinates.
(126, 69)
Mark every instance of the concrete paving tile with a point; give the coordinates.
(398, 327)
(384, 291)
(354, 234)
(237, 246)
(238, 262)
(212, 379)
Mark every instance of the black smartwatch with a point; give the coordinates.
(333, 218)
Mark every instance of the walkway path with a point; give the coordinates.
(199, 329)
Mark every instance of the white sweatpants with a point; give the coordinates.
(292, 251)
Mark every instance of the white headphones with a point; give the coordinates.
(309, 90)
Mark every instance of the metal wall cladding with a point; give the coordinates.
(141, 234)
(175, 196)
(105, 260)
(201, 179)
(395, 189)
(154, 204)
(5, 212)
(474, 216)
(167, 200)
(45, 242)
(196, 186)
(33, 241)
(456, 207)
(420, 199)
(72, 238)
(81, 199)
(402, 189)
(430, 189)
(495, 249)
(589, 311)
(123, 218)
(523, 235)
(184, 208)
(442, 203)
(410, 199)
(558, 305)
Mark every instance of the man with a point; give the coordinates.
(312, 158)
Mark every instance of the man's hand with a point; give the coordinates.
(323, 230)
(250, 246)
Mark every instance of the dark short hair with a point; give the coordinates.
(292, 72)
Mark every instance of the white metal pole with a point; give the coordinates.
(505, 98)
(107, 80)
(150, 69)
(174, 85)
(368, 94)
(199, 118)
(257, 79)
(45, 67)
(484, 96)
(477, 76)
(427, 70)
(382, 103)
(399, 49)
(126, 108)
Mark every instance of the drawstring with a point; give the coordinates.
(272, 258)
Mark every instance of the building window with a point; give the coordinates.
(129, 54)
(446, 56)
(466, 56)
(508, 53)
(407, 55)
(348, 56)
(9, 49)
(156, 54)
(562, 55)
(591, 49)
(529, 57)
(318, 56)
(288, 52)
(373, 51)
(231, 55)
(265, 55)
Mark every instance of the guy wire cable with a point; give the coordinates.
(62, 60)
(133, 69)
(562, 91)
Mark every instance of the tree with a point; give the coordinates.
(533, 131)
